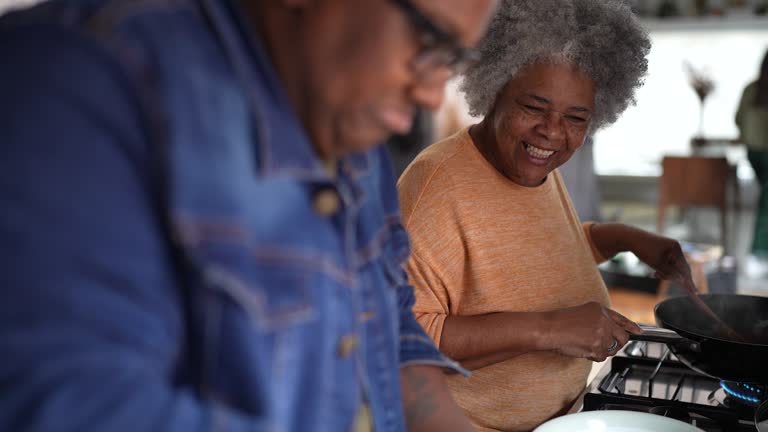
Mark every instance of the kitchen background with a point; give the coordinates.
(618, 177)
(720, 42)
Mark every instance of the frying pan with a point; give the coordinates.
(705, 345)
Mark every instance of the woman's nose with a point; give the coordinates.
(552, 126)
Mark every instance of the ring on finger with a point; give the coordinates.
(613, 346)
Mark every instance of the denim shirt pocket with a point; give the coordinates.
(268, 288)
(278, 297)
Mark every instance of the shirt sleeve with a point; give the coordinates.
(587, 228)
(431, 307)
(416, 347)
(744, 102)
(91, 326)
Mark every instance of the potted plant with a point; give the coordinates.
(703, 85)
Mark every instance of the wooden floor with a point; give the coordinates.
(635, 305)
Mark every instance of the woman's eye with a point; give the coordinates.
(577, 120)
(533, 108)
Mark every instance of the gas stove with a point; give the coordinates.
(646, 377)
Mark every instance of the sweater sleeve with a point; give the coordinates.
(432, 299)
(599, 258)
(434, 243)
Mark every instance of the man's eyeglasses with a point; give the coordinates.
(438, 47)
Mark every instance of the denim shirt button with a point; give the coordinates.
(367, 316)
(347, 345)
(326, 202)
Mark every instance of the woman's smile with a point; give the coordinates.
(537, 155)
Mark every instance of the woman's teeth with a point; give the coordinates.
(537, 152)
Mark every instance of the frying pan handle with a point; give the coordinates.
(669, 337)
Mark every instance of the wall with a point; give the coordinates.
(667, 113)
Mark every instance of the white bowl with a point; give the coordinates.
(615, 421)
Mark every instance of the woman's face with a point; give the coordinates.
(539, 120)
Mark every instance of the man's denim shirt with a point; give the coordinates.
(174, 258)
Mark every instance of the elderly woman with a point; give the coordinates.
(505, 274)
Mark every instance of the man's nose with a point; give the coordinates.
(429, 91)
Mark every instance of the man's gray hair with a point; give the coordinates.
(603, 38)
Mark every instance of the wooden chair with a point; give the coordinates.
(697, 181)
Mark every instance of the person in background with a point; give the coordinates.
(581, 180)
(403, 148)
(200, 230)
(752, 121)
(505, 274)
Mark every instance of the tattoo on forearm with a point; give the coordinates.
(421, 404)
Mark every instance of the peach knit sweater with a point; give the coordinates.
(482, 244)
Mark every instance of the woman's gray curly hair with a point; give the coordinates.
(601, 37)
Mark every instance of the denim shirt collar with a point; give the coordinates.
(291, 153)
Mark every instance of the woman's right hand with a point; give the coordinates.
(589, 331)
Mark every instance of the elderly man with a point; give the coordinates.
(199, 231)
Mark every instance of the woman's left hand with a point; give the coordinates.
(666, 257)
(661, 253)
